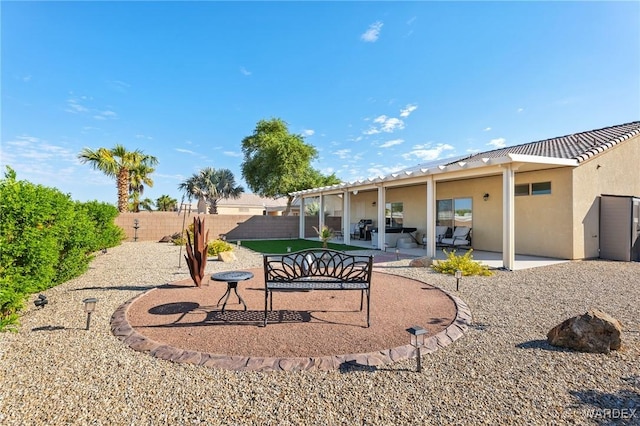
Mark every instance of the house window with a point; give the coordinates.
(394, 214)
(522, 189)
(541, 188)
(454, 212)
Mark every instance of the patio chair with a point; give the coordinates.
(441, 232)
(460, 237)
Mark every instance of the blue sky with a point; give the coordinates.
(375, 86)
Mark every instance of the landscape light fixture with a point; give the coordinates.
(485, 196)
(41, 301)
(89, 307)
(417, 335)
(397, 254)
(136, 225)
(458, 276)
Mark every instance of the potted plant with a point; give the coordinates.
(325, 234)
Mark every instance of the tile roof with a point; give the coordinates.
(578, 146)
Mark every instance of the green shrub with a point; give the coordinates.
(218, 246)
(464, 263)
(45, 239)
(102, 216)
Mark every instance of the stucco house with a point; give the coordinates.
(248, 204)
(540, 198)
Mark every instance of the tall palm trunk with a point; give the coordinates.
(123, 189)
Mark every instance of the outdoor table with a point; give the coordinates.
(231, 278)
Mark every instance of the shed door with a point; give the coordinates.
(615, 228)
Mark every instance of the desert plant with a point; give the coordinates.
(218, 246)
(197, 251)
(325, 234)
(464, 263)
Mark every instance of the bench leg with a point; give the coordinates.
(266, 298)
(368, 304)
(361, 299)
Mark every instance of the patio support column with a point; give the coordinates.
(381, 217)
(346, 217)
(508, 217)
(301, 230)
(431, 218)
(321, 211)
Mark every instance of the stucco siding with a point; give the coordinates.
(487, 215)
(543, 223)
(616, 171)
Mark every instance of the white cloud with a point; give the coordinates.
(26, 78)
(520, 109)
(405, 112)
(244, 71)
(498, 142)
(139, 136)
(380, 170)
(119, 86)
(412, 20)
(371, 131)
(308, 132)
(427, 152)
(232, 153)
(105, 115)
(74, 106)
(486, 129)
(343, 154)
(392, 124)
(39, 161)
(185, 151)
(372, 33)
(391, 143)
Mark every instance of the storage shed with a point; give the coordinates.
(620, 228)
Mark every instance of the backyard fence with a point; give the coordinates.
(152, 226)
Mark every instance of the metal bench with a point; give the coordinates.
(316, 269)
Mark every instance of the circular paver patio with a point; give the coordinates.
(317, 330)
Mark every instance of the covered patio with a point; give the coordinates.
(489, 258)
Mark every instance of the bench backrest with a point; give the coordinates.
(325, 264)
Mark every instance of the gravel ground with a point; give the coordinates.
(501, 372)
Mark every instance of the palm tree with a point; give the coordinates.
(138, 177)
(212, 185)
(225, 188)
(118, 163)
(146, 204)
(166, 204)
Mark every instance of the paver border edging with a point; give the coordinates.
(121, 328)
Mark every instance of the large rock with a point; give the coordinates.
(594, 331)
(421, 262)
(227, 256)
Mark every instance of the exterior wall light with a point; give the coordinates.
(417, 335)
(485, 196)
(89, 307)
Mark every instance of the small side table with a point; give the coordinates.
(231, 278)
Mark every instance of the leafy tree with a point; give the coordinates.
(212, 185)
(166, 204)
(277, 162)
(118, 163)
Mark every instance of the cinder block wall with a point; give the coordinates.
(155, 225)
